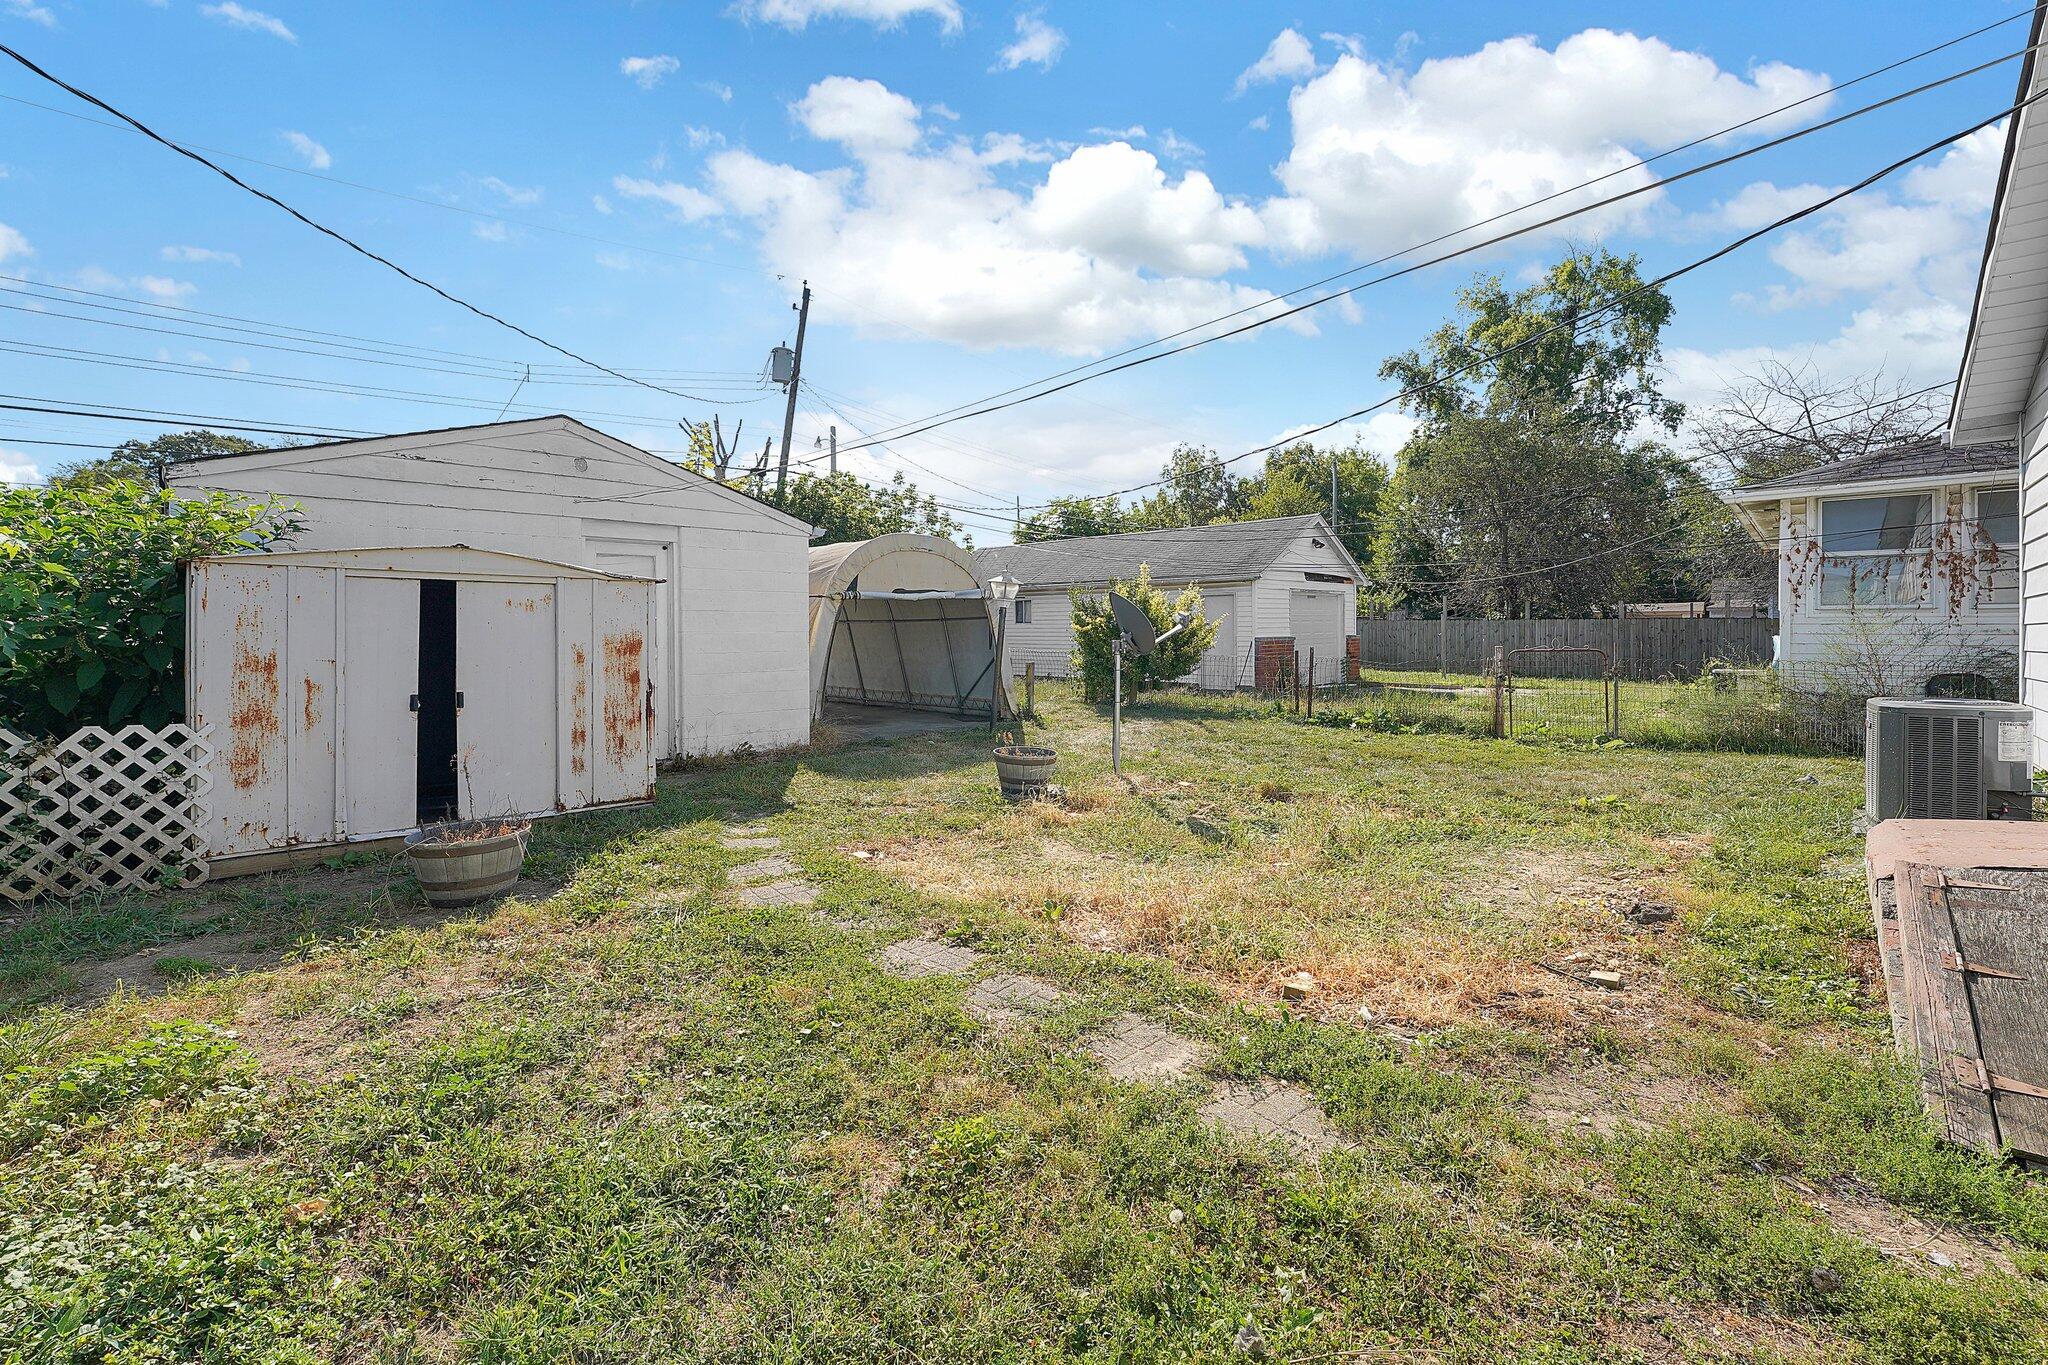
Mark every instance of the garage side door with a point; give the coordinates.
(622, 754)
(504, 669)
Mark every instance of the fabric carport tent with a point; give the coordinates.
(900, 620)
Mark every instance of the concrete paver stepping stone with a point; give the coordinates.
(1133, 1048)
(748, 841)
(1273, 1109)
(764, 869)
(926, 957)
(1007, 998)
(787, 892)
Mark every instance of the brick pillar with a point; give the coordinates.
(1272, 658)
(1351, 658)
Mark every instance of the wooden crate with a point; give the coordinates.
(1961, 911)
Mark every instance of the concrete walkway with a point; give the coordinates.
(1130, 1048)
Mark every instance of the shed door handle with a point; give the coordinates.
(414, 704)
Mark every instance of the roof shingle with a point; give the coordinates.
(1929, 458)
(1226, 552)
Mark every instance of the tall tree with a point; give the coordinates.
(1195, 489)
(1601, 374)
(149, 461)
(1534, 482)
(1063, 517)
(844, 508)
(1296, 482)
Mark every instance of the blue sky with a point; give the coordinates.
(980, 193)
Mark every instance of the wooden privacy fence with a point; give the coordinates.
(103, 810)
(1643, 649)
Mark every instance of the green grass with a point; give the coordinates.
(631, 1120)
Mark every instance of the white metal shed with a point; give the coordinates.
(729, 611)
(357, 694)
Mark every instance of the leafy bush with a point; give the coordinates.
(92, 602)
(1095, 636)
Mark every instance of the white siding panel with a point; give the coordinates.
(2033, 560)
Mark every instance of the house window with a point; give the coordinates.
(1998, 522)
(1874, 550)
(1023, 611)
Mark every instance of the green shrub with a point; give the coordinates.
(1095, 636)
(92, 602)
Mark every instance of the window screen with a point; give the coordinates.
(1851, 526)
(1998, 515)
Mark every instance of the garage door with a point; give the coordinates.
(1318, 621)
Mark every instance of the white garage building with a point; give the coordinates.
(730, 657)
(1278, 588)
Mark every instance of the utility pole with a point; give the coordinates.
(796, 372)
(835, 447)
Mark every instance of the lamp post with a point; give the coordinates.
(1002, 590)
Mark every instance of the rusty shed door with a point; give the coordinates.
(622, 751)
(380, 671)
(504, 667)
(237, 686)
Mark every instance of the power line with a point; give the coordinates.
(1576, 323)
(966, 411)
(346, 241)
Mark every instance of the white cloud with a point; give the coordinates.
(648, 72)
(237, 16)
(689, 203)
(1260, 124)
(1038, 43)
(1105, 248)
(16, 467)
(29, 10)
(490, 230)
(516, 195)
(13, 244)
(1288, 57)
(1174, 147)
(162, 289)
(614, 260)
(1381, 158)
(863, 116)
(601, 204)
(199, 255)
(718, 90)
(1382, 434)
(1114, 202)
(796, 14)
(313, 153)
(1905, 260)
(700, 138)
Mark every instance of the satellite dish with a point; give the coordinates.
(1133, 624)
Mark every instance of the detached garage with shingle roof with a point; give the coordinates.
(1277, 587)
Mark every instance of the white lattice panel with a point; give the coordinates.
(103, 810)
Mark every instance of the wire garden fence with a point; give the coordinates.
(1570, 693)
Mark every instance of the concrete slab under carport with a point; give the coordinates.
(858, 724)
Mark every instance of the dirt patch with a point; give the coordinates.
(1902, 1238)
(1610, 1099)
(1677, 1332)
(152, 971)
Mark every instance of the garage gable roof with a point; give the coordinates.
(1226, 552)
(670, 472)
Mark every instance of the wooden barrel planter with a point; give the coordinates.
(462, 864)
(1024, 770)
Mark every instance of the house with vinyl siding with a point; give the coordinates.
(1277, 588)
(2002, 390)
(1897, 570)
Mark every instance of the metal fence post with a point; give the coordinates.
(1500, 671)
(1311, 681)
(1031, 688)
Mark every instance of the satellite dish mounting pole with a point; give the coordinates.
(1116, 713)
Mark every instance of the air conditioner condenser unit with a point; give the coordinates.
(1942, 759)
